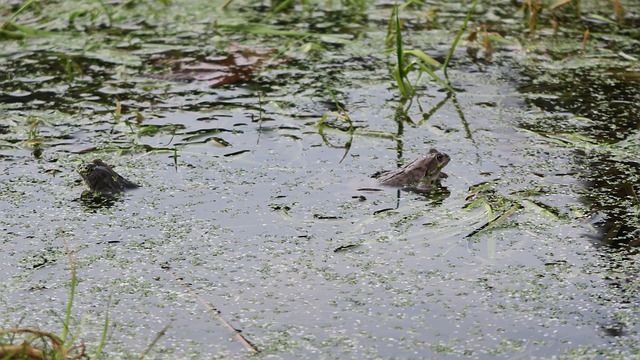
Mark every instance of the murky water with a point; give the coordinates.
(250, 205)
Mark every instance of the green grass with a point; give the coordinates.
(15, 14)
(38, 344)
(412, 60)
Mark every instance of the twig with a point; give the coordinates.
(248, 345)
(155, 340)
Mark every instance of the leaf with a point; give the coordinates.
(406, 90)
(497, 220)
(424, 57)
(238, 65)
(435, 77)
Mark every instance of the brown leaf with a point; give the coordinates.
(239, 65)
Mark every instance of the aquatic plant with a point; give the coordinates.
(38, 344)
(457, 39)
(421, 62)
(3, 25)
(47, 345)
(532, 10)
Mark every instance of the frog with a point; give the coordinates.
(422, 172)
(102, 179)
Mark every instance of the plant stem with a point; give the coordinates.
(455, 43)
(72, 292)
(26, 5)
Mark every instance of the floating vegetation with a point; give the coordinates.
(255, 127)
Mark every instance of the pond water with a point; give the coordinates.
(251, 208)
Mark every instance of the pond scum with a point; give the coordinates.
(241, 65)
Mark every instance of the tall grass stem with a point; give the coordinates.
(72, 292)
(455, 42)
(15, 14)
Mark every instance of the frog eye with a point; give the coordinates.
(440, 157)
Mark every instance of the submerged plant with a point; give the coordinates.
(340, 116)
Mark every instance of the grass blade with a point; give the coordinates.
(155, 340)
(72, 292)
(105, 330)
(435, 77)
(455, 42)
(406, 90)
(15, 14)
(424, 57)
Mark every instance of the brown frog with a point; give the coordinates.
(102, 180)
(422, 172)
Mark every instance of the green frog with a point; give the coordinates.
(422, 172)
(102, 179)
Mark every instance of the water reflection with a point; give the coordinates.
(589, 111)
(609, 190)
(91, 202)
